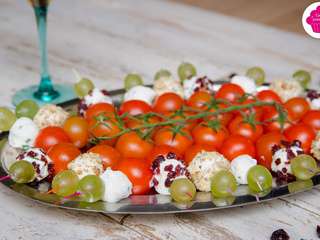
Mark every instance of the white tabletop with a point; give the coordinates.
(107, 39)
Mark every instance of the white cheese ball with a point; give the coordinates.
(287, 89)
(167, 84)
(240, 167)
(281, 160)
(246, 83)
(315, 146)
(50, 115)
(315, 104)
(117, 186)
(203, 167)
(142, 93)
(96, 96)
(40, 161)
(87, 164)
(23, 133)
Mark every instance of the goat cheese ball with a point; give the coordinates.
(165, 170)
(142, 93)
(50, 115)
(87, 164)
(23, 133)
(246, 83)
(167, 84)
(313, 97)
(190, 86)
(203, 167)
(240, 167)
(287, 89)
(281, 159)
(117, 186)
(41, 162)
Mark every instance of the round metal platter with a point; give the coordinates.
(148, 204)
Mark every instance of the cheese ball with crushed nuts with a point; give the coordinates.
(50, 115)
(87, 164)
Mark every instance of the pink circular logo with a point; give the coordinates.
(311, 20)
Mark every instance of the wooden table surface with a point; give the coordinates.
(107, 39)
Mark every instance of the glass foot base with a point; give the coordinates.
(63, 93)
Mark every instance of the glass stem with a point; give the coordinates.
(45, 91)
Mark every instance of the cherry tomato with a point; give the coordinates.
(50, 136)
(257, 111)
(137, 122)
(302, 132)
(130, 145)
(204, 135)
(98, 109)
(235, 146)
(199, 100)
(77, 130)
(109, 155)
(224, 118)
(230, 92)
(168, 102)
(312, 118)
(62, 154)
(134, 107)
(264, 147)
(166, 136)
(189, 125)
(268, 96)
(297, 107)
(138, 172)
(194, 150)
(100, 127)
(238, 127)
(272, 124)
(162, 150)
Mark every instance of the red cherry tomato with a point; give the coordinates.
(302, 132)
(230, 92)
(138, 172)
(138, 122)
(168, 102)
(135, 107)
(268, 96)
(162, 150)
(50, 136)
(238, 127)
(77, 130)
(272, 124)
(130, 145)
(297, 107)
(109, 155)
(224, 118)
(312, 118)
(100, 128)
(199, 100)
(204, 135)
(189, 125)
(235, 146)
(194, 150)
(62, 154)
(257, 111)
(264, 147)
(166, 136)
(98, 109)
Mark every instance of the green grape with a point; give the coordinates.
(186, 71)
(182, 190)
(300, 185)
(7, 119)
(256, 73)
(83, 87)
(162, 73)
(65, 183)
(22, 172)
(91, 188)
(27, 108)
(222, 202)
(303, 77)
(132, 80)
(223, 184)
(304, 166)
(259, 179)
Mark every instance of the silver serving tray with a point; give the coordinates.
(146, 204)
